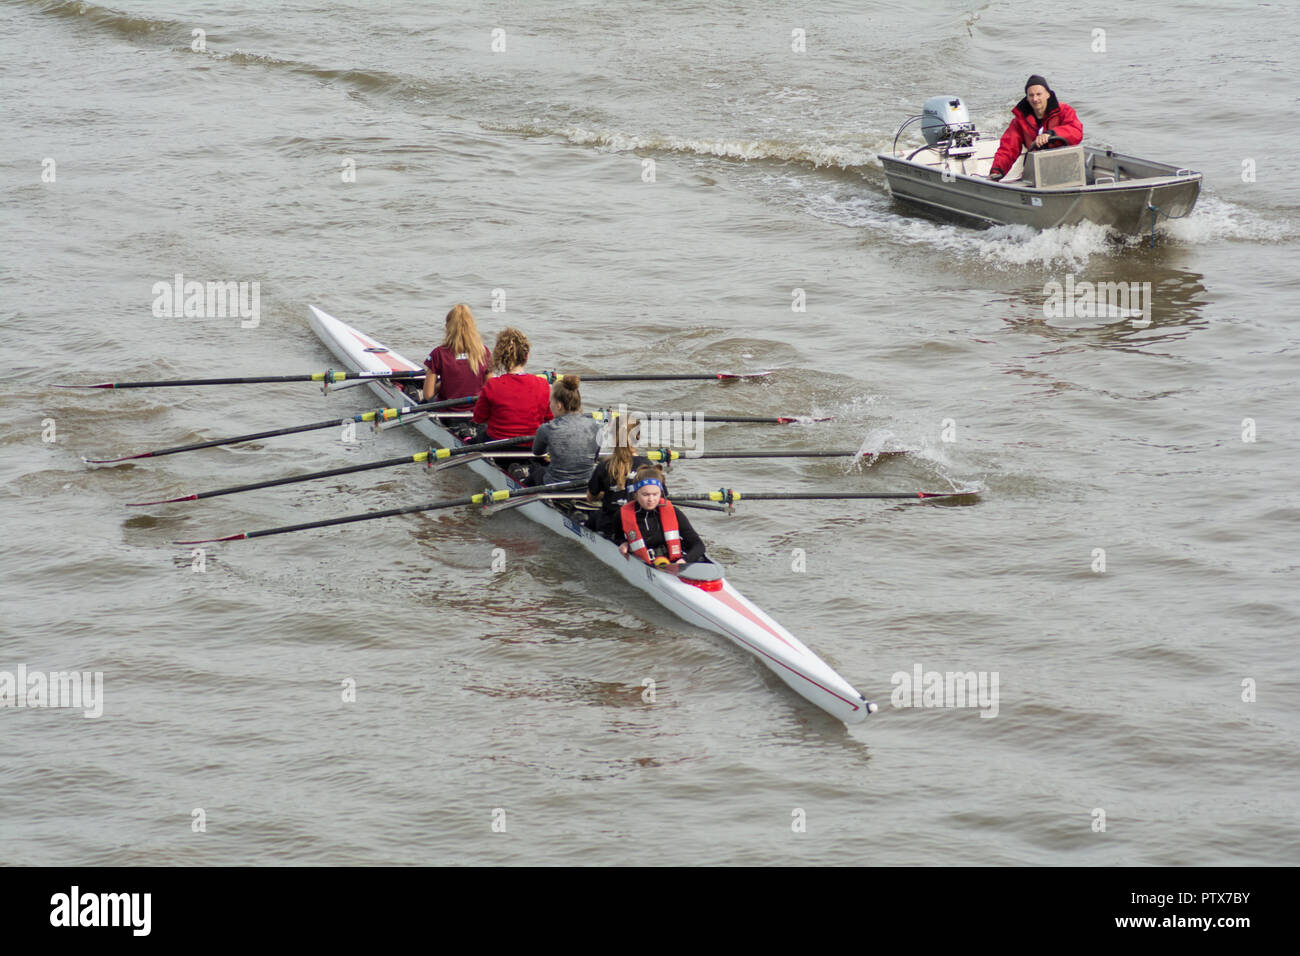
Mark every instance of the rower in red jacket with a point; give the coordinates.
(1039, 121)
(512, 402)
(652, 529)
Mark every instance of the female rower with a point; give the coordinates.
(610, 483)
(459, 366)
(512, 403)
(571, 438)
(652, 529)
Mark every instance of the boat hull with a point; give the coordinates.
(1123, 203)
(724, 611)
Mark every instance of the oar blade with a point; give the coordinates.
(161, 501)
(114, 461)
(230, 537)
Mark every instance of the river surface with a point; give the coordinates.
(653, 187)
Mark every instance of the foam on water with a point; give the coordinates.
(814, 154)
(1215, 219)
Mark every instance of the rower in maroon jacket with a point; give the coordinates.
(459, 366)
(652, 529)
(1039, 121)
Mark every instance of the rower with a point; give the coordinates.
(511, 403)
(610, 485)
(459, 366)
(652, 529)
(570, 438)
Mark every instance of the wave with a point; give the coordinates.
(816, 155)
(135, 27)
(1215, 219)
(124, 24)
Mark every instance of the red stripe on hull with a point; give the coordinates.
(739, 608)
(386, 357)
(855, 705)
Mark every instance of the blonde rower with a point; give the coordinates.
(610, 482)
(459, 366)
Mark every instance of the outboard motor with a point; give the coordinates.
(945, 122)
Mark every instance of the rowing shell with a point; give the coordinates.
(713, 605)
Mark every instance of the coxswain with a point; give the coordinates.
(611, 482)
(651, 529)
(570, 438)
(459, 366)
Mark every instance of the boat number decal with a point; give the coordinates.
(1036, 201)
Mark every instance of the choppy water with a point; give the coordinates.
(521, 691)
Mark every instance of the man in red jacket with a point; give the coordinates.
(1037, 122)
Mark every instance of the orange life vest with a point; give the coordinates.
(636, 543)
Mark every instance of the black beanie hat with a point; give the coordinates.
(1037, 80)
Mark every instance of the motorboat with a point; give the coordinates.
(948, 174)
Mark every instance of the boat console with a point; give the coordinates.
(1060, 168)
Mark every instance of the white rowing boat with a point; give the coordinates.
(713, 605)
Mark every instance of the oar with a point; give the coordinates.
(379, 414)
(667, 454)
(329, 376)
(656, 376)
(606, 413)
(333, 376)
(702, 505)
(479, 499)
(730, 497)
(430, 456)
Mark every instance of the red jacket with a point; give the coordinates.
(1025, 127)
(513, 405)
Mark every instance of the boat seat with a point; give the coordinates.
(1017, 171)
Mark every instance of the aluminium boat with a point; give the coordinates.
(948, 175)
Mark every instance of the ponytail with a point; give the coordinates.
(565, 394)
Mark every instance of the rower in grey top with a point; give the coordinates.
(571, 438)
